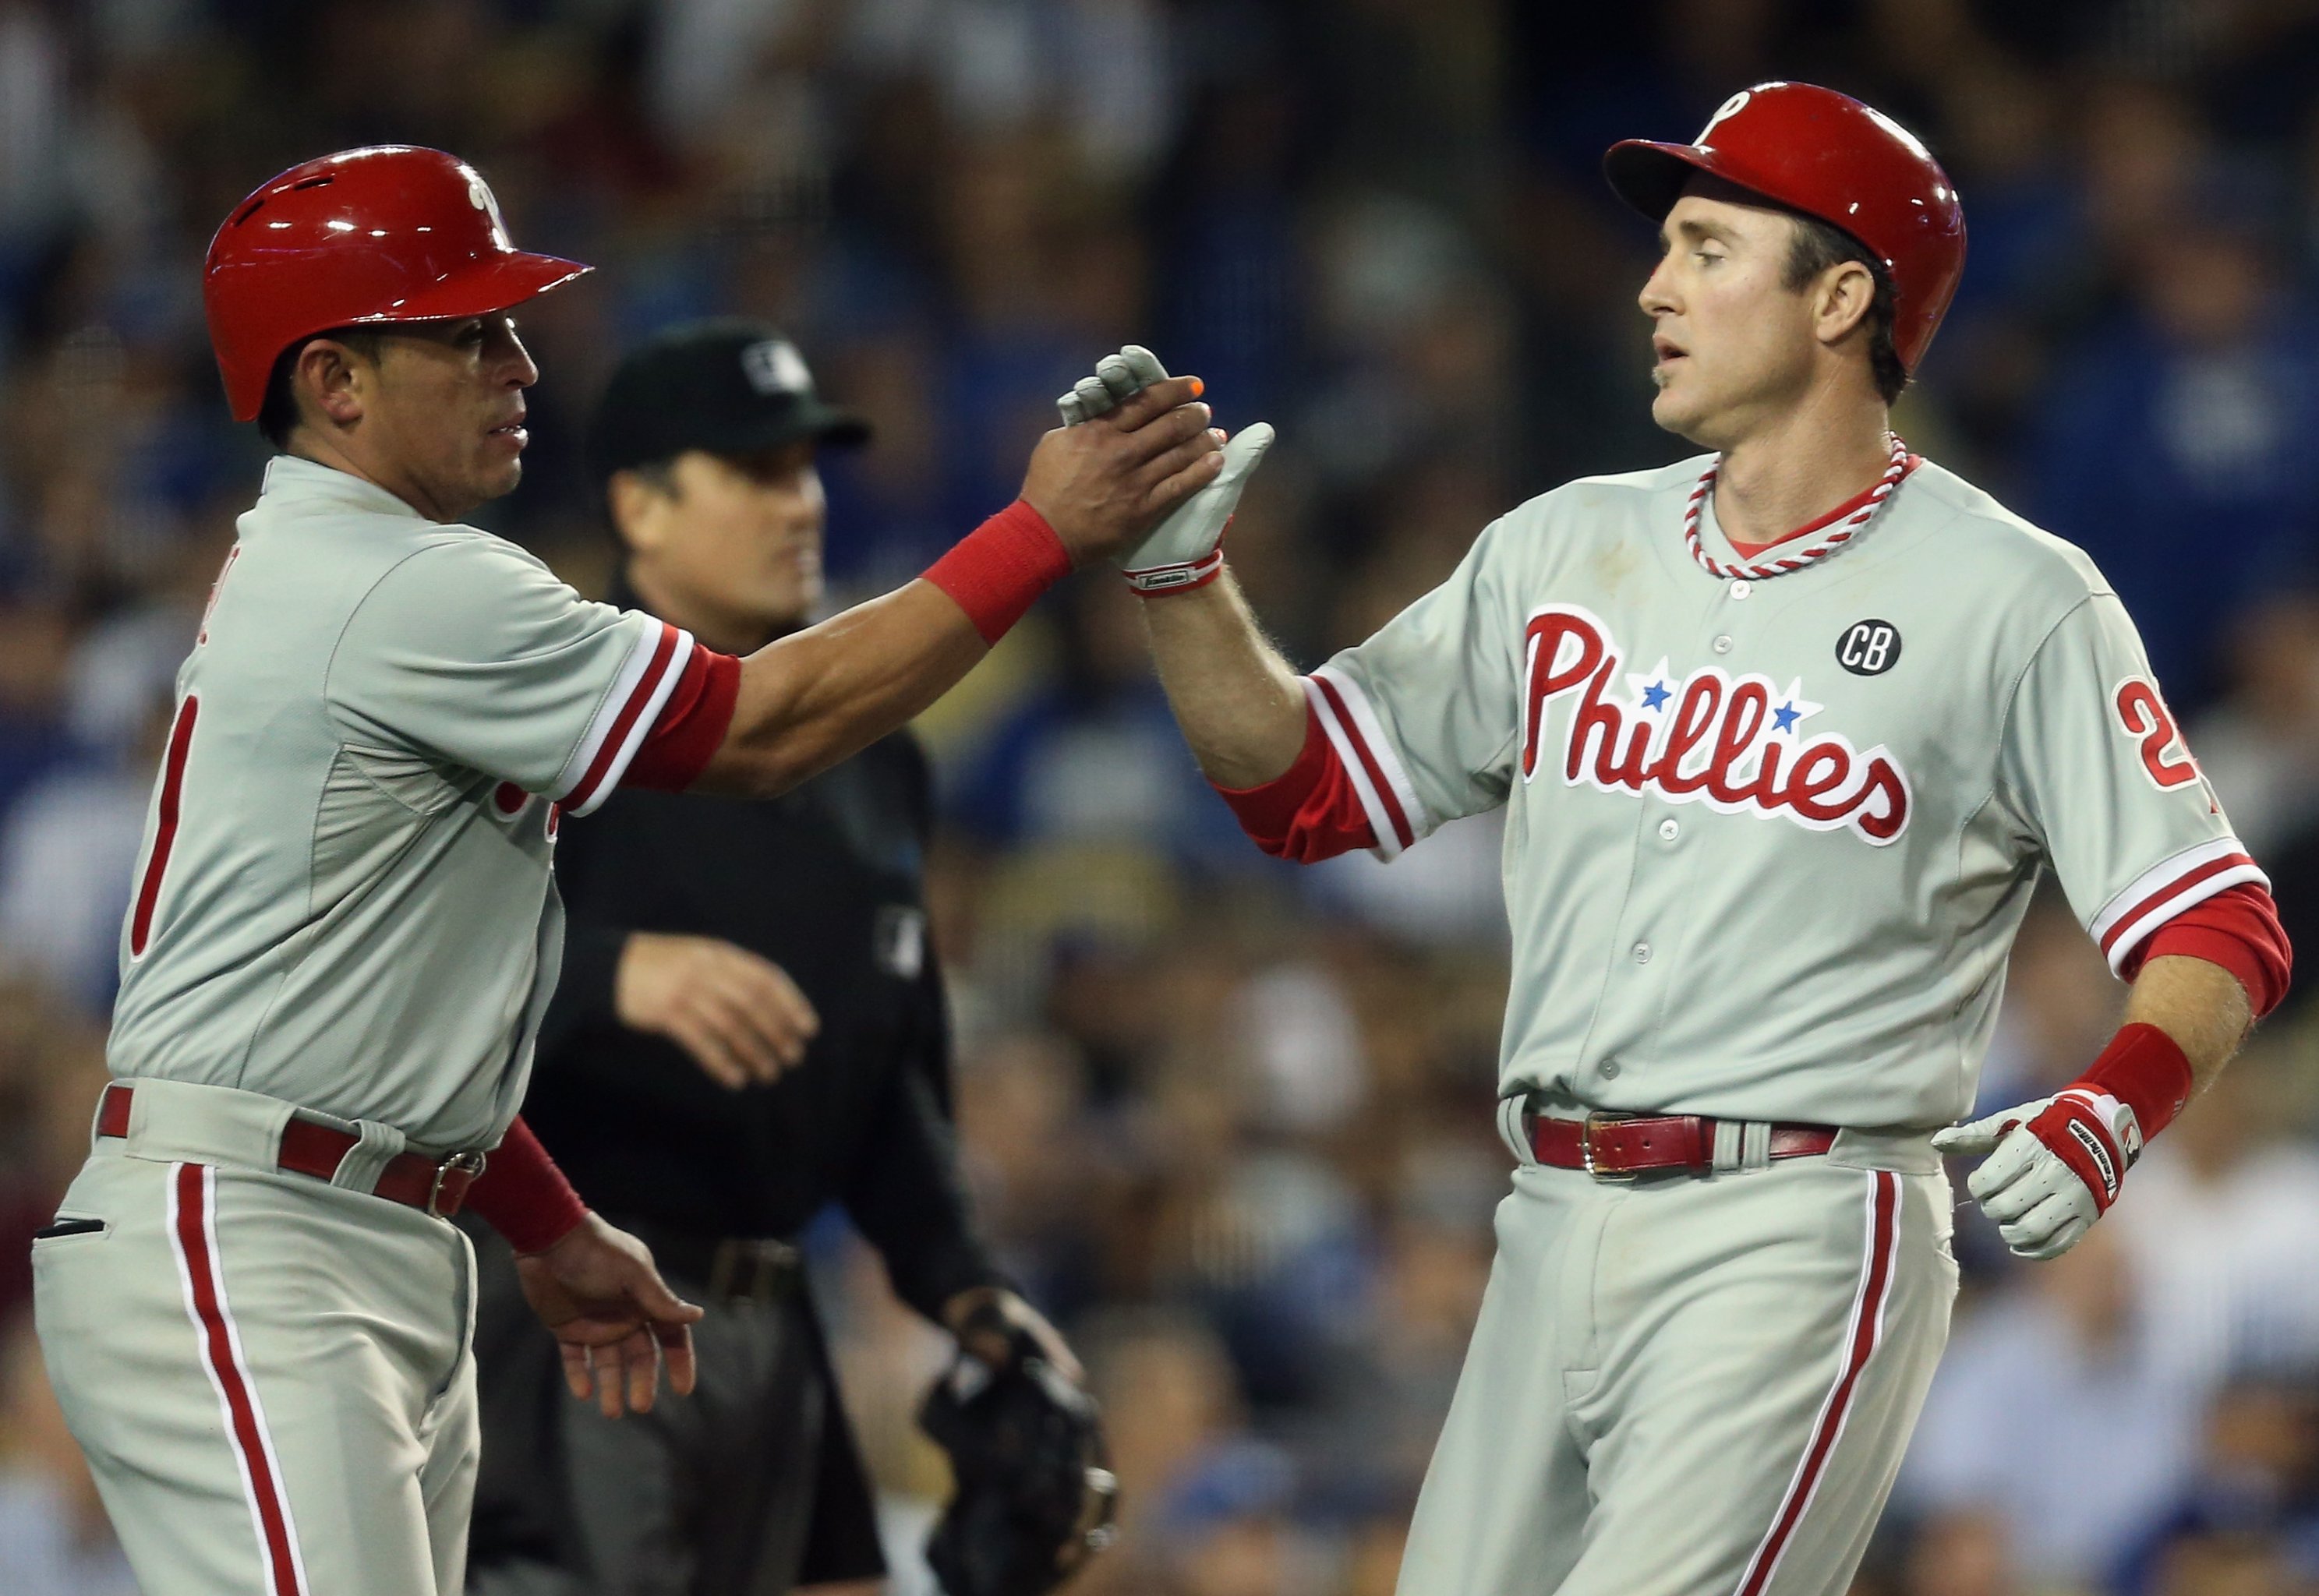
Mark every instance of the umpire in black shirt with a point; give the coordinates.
(749, 1026)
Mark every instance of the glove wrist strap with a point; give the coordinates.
(2145, 1069)
(1158, 582)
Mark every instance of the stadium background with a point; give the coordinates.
(1230, 1123)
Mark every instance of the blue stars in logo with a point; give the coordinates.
(1650, 691)
(1794, 709)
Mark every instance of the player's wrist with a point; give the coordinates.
(546, 1241)
(2147, 1071)
(523, 1196)
(996, 571)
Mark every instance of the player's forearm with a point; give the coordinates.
(2201, 1005)
(1241, 706)
(818, 696)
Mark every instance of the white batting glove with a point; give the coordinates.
(1185, 550)
(2053, 1166)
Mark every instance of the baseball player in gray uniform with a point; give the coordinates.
(1785, 734)
(344, 928)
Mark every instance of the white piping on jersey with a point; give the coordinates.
(2167, 889)
(1371, 733)
(631, 680)
(1828, 543)
(1359, 741)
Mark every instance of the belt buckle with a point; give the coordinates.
(751, 1268)
(470, 1164)
(1586, 1147)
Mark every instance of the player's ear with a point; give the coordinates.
(328, 381)
(1842, 299)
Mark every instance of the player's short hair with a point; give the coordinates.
(277, 413)
(1816, 247)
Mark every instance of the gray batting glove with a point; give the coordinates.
(1185, 550)
(1117, 377)
(2053, 1166)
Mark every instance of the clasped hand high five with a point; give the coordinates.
(1103, 488)
(1185, 550)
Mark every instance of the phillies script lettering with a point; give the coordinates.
(1732, 743)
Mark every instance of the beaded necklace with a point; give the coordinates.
(1831, 540)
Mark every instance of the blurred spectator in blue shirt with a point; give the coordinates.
(2175, 451)
(2251, 1501)
(1092, 754)
(2051, 1415)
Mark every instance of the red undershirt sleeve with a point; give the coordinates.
(523, 1196)
(2238, 928)
(691, 725)
(1310, 811)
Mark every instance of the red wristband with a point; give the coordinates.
(998, 570)
(2145, 1069)
(523, 1196)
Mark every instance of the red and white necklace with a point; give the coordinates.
(1831, 538)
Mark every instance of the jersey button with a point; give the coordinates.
(1642, 952)
(1669, 830)
(1610, 1069)
(1741, 587)
(1723, 646)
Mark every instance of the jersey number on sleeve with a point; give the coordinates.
(2146, 716)
(172, 781)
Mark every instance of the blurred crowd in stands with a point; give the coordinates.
(1231, 1123)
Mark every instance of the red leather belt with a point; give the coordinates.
(1615, 1147)
(434, 1186)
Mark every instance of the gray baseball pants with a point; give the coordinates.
(271, 1374)
(1690, 1386)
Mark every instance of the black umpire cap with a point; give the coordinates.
(727, 386)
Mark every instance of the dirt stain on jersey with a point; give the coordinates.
(1614, 564)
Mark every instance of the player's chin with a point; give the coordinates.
(498, 474)
(1675, 410)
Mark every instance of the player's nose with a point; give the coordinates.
(517, 367)
(1656, 295)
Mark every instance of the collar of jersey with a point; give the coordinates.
(291, 477)
(1761, 564)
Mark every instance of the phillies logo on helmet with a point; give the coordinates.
(1729, 108)
(480, 195)
(1734, 743)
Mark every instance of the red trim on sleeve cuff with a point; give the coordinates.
(998, 570)
(691, 725)
(1372, 766)
(603, 770)
(523, 1196)
(2132, 926)
(1310, 811)
(2238, 928)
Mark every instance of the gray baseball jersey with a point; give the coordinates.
(1768, 842)
(345, 898)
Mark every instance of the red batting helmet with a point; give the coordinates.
(385, 234)
(1829, 157)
